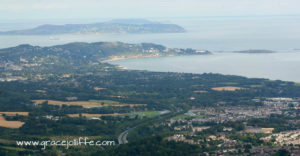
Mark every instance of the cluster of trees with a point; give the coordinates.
(74, 70)
(80, 62)
(158, 90)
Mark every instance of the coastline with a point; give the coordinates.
(204, 65)
(117, 58)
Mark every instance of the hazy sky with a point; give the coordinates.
(60, 9)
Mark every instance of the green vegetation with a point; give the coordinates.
(107, 102)
(187, 116)
(154, 146)
(147, 114)
(74, 72)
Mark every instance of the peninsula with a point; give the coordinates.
(134, 26)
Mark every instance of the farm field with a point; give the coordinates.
(93, 115)
(88, 104)
(227, 88)
(14, 113)
(148, 114)
(6, 141)
(187, 116)
(10, 124)
(200, 91)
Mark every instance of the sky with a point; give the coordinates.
(93, 9)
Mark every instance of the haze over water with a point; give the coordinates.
(211, 33)
(279, 33)
(276, 66)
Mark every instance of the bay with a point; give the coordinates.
(216, 34)
(275, 66)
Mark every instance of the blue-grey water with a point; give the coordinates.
(275, 66)
(279, 33)
(211, 33)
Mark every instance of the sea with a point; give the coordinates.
(220, 35)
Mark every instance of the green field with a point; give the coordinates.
(107, 102)
(256, 86)
(147, 114)
(183, 116)
(14, 148)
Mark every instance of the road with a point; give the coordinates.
(122, 139)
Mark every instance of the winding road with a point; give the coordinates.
(122, 139)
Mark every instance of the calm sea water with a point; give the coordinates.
(275, 66)
(279, 33)
(211, 33)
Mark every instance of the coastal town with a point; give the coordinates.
(187, 128)
(221, 114)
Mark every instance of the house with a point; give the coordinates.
(71, 98)
(199, 129)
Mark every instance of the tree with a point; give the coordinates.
(282, 152)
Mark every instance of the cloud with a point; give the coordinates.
(143, 8)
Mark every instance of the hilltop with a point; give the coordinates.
(115, 26)
(79, 53)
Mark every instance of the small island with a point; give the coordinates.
(255, 51)
(134, 26)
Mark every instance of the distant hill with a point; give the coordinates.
(132, 21)
(114, 26)
(255, 51)
(80, 53)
